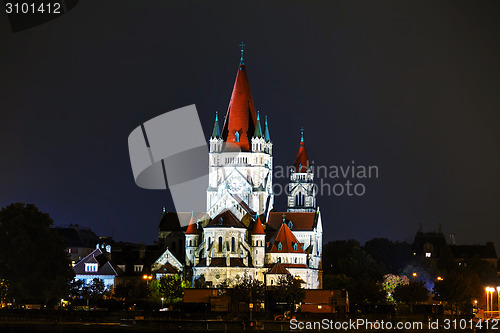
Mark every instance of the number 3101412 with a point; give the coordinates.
(33, 8)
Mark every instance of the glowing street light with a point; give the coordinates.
(439, 278)
(498, 302)
(489, 299)
(147, 278)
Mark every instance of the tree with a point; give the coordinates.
(425, 270)
(336, 281)
(485, 270)
(94, 291)
(411, 293)
(172, 288)
(457, 289)
(366, 291)
(3, 291)
(33, 259)
(289, 291)
(132, 291)
(243, 289)
(390, 283)
(97, 289)
(199, 282)
(76, 289)
(347, 257)
(347, 266)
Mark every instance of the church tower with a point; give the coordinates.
(192, 237)
(240, 158)
(301, 190)
(258, 244)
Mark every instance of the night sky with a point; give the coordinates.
(411, 87)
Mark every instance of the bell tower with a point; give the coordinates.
(241, 161)
(301, 190)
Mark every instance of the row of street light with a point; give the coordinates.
(489, 298)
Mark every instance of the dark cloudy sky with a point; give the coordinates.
(412, 87)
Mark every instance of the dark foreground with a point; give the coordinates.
(67, 321)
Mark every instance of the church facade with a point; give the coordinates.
(241, 233)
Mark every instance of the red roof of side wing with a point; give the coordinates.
(300, 220)
(287, 239)
(241, 116)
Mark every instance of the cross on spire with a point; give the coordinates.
(242, 48)
(284, 215)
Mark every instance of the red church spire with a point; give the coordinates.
(257, 228)
(241, 117)
(192, 229)
(302, 161)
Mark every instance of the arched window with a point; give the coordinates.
(237, 137)
(209, 242)
(190, 242)
(220, 244)
(280, 246)
(233, 244)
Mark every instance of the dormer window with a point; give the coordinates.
(280, 246)
(237, 137)
(295, 246)
(290, 225)
(91, 267)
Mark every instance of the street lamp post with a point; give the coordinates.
(498, 302)
(489, 299)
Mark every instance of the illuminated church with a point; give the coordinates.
(240, 233)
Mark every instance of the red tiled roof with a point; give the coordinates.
(287, 239)
(218, 262)
(301, 160)
(225, 219)
(257, 228)
(237, 262)
(277, 268)
(300, 220)
(167, 268)
(241, 116)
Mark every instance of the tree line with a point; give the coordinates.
(386, 272)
